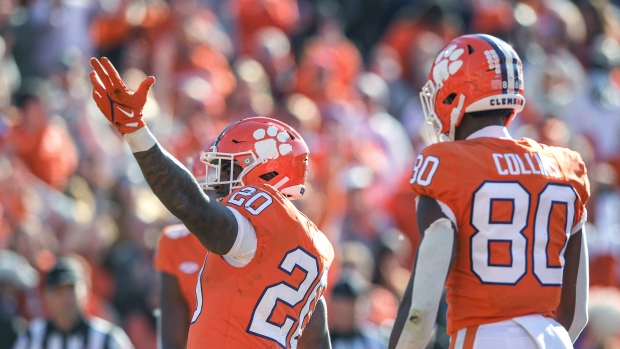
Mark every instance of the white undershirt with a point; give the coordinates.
(244, 248)
(494, 131)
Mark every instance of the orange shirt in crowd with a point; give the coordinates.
(251, 16)
(50, 155)
(328, 67)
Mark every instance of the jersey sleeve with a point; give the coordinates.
(578, 177)
(165, 255)
(258, 206)
(434, 175)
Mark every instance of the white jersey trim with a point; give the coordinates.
(448, 212)
(579, 225)
(244, 248)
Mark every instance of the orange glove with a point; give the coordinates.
(122, 107)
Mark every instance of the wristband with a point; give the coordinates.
(140, 140)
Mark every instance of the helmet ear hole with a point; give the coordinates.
(268, 176)
(448, 100)
(470, 49)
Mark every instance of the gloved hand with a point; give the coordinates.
(122, 107)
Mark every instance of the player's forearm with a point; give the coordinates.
(418, 329)
(572, 311)
(430, 274)
(316, 333)
(580, 317)
(174, 314)
(401, 318)
(171, 183)
(177, 189)
(168, 343)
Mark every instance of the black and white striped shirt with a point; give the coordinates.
(91, 333)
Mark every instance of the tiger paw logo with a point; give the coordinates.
(447, 63)
(271, 143)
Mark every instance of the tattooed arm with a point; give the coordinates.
(212, 223)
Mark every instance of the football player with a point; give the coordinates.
(261, 283)
(178, 260)
(502, 219)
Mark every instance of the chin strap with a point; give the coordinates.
(455, 115)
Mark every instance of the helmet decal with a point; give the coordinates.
(447, 63)
(268, 148)
(509, 70)
(493, 60)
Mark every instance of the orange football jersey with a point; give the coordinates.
(267, 303)
(515, 202)
(180, 254)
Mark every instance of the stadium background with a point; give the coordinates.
(346, 74)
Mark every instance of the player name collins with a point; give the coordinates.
(528, 163)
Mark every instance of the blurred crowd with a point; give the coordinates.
(346, 74)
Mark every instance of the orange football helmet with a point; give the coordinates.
(268, 151)
(472, 73)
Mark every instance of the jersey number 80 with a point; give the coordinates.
(555, 207)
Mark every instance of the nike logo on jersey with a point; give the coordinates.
(125, 112)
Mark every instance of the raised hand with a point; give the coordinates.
(122, 107)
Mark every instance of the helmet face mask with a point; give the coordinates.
(432, 123)
(472, 73)
(266, 150)
(216, 162)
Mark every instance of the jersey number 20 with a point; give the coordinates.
(289, 296)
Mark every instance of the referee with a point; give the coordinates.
(67, 327)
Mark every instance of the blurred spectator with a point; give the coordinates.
(272, 49)
(348, 304)
(67, 324)
(390, 134)
(594, 112)
(42, 142)
(252, 97)
(328, 65)
(412, 22)
(391, 254)
(16, 276)
(603, 239)
(491, 17)
(603, 329)
(251, 16)
(48, 29)
(358, 258)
